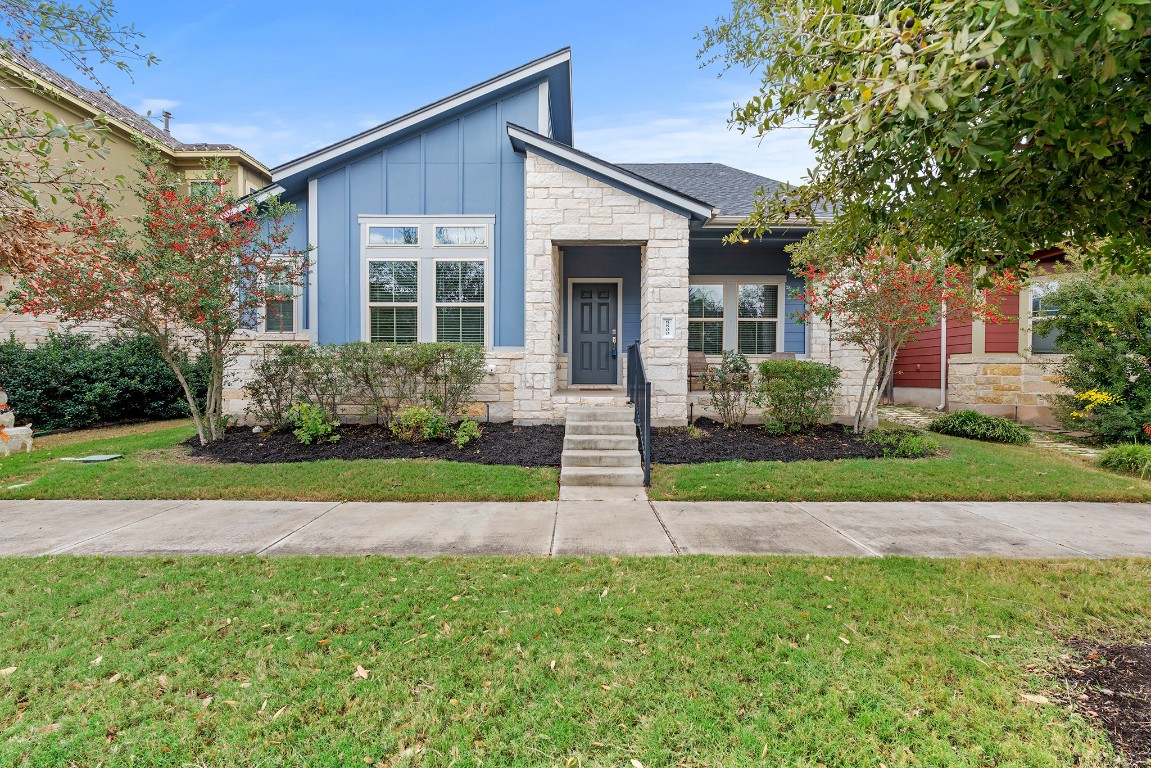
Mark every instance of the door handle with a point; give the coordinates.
(613, 344)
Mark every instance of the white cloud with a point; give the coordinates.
(695, 133)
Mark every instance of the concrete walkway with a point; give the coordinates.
(574, 527)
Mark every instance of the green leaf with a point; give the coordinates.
(904, 97)
(1012, 6)
(937, 102)
(1118, 19)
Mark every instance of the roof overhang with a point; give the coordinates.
(556, 65)
(524, 140)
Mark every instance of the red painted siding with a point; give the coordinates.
(917, 364)
(1004, 337)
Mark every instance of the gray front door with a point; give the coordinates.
(594, 342)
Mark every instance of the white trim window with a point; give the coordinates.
(743, 313)
(1043, 343)
(414, 290)
(278, 313)
(460, 291)
(393, 300)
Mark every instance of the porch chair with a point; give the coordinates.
(696, 368)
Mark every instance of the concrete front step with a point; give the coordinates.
(600, 458)
(580, 415)
(600, 428)
(627, 476)
(601, 443)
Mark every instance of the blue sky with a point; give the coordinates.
(281, 79)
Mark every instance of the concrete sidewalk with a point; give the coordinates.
(571, 527)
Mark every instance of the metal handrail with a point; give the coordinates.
(639, 395)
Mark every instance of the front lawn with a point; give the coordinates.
(157, 466)
(970, 471)
(514, 662)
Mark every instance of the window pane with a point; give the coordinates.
(459, 282)
(759, 301)
(392, 282)
(1039, 292)
(706, 337)
(756, 337)
(393, 325)
(461, 235)
(280, 316)
(460, 324)
(1045, 343)
(705, 301)
(393, 235)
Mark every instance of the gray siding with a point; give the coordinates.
(464, 165)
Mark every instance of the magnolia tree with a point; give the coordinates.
(881, 300)
(200, 268)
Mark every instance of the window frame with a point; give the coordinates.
(435, 262)
(731, 284)
(721, 320)
(369, 305)
(440, 225)
(368, 236)
(296, 295)
(1028, 295)
(426, 254)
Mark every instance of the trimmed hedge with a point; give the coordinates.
(70, 382)
(979, 426)
(795, 395)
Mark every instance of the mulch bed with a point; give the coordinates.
(752, 443)
(1115, 684)
(536, 446)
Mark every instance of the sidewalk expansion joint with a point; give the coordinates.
(298, 528)
(61, 550)
(666, 532)
(960, 505)
(869, 550)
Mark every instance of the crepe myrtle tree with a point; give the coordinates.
(200, 268)
(1001, 126)
(882, 299)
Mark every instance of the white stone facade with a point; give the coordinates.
(566, 207)
(823, 348)
(34, 329)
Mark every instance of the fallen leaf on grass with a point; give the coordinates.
(559, 611)
(49, 728)
(636, 763)
(114, 678)
(207, 700)
(96, 661)
(279, 711)
(553, 665)
(605, 687)
(360, 672)
(7, 670)
(844, 640)
(1036, 699)
(324, 642)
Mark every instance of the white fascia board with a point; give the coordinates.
(607, 170)
(419, 116)
(258, 196)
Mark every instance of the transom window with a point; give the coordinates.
(740, 313)
(423, 293)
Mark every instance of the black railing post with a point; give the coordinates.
(647, 434)
(639, 396)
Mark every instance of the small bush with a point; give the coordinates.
(467, 431)
(1134, 459)
(903, 443)
(70, 381)
(275, 386)
(312, 424)
(729, 388)
(418, 424)
(979, 426)
(795, 395)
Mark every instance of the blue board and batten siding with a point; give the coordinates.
(460, 166)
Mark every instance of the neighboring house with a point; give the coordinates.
(26, 82)
(1004, 369)
(475, 219)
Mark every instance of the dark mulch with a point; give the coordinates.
(1115, 684)
(752, 443)
(537, 446)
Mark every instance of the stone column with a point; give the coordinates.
(663, 292)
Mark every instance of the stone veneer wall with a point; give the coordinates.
(565, 207)
(33, 329)
(850, 360)
(493, 397)
(1003, 385)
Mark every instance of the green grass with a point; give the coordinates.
(514, 662)
(970, 471)
(156, 467)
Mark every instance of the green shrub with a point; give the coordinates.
(69, 381)
(467, 431)
(1131, 458)
(275, 386)
(795, 395)
(979, 426)
(1104, 330)
(729, 387)
(418, 424)
(903, 443)
(312, 424)
(320, 378)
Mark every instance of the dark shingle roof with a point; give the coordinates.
(105, 104)
(729, 189)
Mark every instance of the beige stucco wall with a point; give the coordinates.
(565, 207)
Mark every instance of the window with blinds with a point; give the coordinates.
(460, 301)
(393, 301)
(758, 319)
(705, 319)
